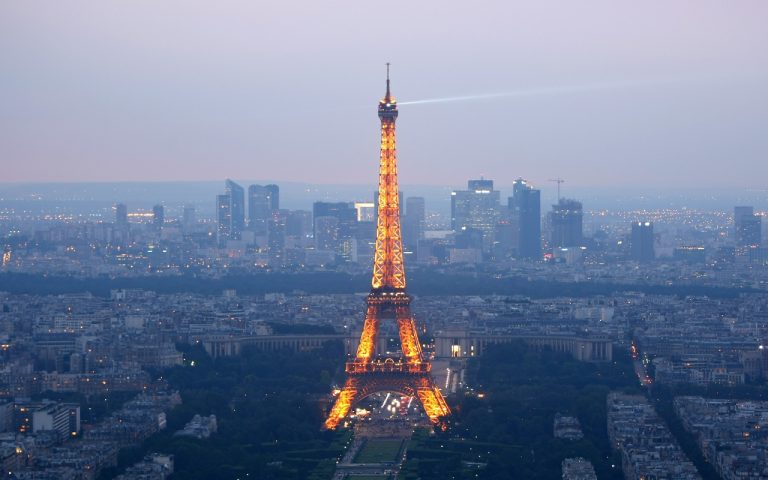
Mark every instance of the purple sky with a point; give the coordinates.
(629, 93)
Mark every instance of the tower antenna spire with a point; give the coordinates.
(387, 97)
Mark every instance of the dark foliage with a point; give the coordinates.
(421, 282)
(511, 428)
(269, 410)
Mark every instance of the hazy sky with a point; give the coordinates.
(631, 93)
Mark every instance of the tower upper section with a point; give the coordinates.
(388, 105)
(388, 267)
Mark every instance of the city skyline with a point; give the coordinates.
(632, 97)
(561, 332)
(558, 270)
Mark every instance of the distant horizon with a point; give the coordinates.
(301, 195)
(496, 183)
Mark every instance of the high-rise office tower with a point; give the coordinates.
(158, 216)
(274, 196)
(335, 228)
(263, 200)
(121, 214)
(506, 237)
(642, 242)
(747, 227)
(343, 211)
(224, 217)
(366, 211)
(276, 229)
(414, 222)
(230, 212)
(477, 208)
(236, 208)
(299, 224)
(567, 224)
(525, 209)
(327, 233)
(365, 231)
(469, 238)
(259, 210)
(188, 219)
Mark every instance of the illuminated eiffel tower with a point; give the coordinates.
(369, 373)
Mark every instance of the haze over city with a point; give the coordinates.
(603, 93)
(220, 259)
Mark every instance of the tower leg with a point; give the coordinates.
(367, 344)
(421, 386)
(409, 338)
(343, 404)
(433, 402)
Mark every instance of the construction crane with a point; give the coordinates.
(559, 181)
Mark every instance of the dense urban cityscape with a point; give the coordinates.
(252, 233)
(556, 269)
(98, 307)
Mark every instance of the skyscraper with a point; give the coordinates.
(365, 231)
(334, 227)
(567, 224)
(642, 242)
(366, 212)
(258, 209)
(121, 214)
(345, 213)
(223, 218)
(299, 225)
(525, 208)
(263, 200)
(477, 208)
(274, 196)
(158, 216)
(236, 208)
(506, 238)
(327, 233)
(747, 227)
(414, 222)
(276, 227)
(188, 219)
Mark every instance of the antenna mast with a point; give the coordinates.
(559, 181)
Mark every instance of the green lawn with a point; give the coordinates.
(378, 451)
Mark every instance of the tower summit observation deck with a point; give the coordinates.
(370, 372)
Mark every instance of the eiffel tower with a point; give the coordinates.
(369, 373)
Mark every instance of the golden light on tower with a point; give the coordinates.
(388, 268)
(368, 373)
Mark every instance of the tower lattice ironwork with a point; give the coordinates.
(368, 372)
